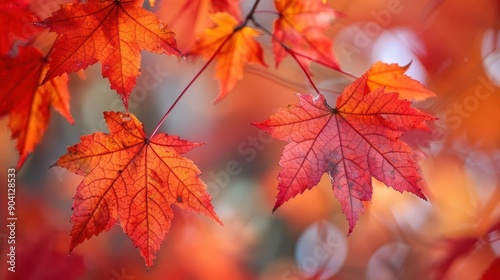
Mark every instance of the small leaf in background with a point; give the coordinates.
(189, 18)
(301, 27)
(235, 47)
(27, 103)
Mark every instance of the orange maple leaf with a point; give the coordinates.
(112, 32)
(300, 28)
(188, 18)
(233, 46)
(392, 77)
(356, 140)
(26, 102)
(15, 23)
(135, 180)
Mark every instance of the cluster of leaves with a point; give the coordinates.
(136, 178)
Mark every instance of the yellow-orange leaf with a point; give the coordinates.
(233, 46)
(393, 78)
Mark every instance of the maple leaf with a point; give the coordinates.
(356, 140)
(112, 32)
(392, 77)
(300, 27)
(189, 18)
(234, 47)
(134, 179)
(27, 103)
(15, 23)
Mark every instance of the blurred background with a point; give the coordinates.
(454, 50)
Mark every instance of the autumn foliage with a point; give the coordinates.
(27, 103)
(133, 179)
(233, 45)
(352, 142)
(299, 32)
(111, 32)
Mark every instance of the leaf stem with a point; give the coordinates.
(266, 12)
(190, 84)
(326, 65)
(294, 54)
(249, 17)
(252, 12)
(288, 83)
(290, 52)
(308, 76)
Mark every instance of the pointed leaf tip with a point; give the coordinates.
(137, 180)
(135, 28)
(27, 103)
(353, 142)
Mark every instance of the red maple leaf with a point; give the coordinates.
(27, 103)
(135, 180)
(112, 32)
(356, 140)
(300, 28)
(15, 23)
(234, 48)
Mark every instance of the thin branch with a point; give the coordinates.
(288, 83)
(247, 18)
(266, 12)
(294, 54)
(347, 74)
(190, 84)
(252, 12)
(290, 52)
(306, 72)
